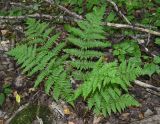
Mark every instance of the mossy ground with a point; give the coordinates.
(28, 115)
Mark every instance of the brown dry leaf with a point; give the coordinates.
(31, 90)
(141, 116)
(97, 119)
(67, 111)
(1, 121)
(15, 93)
(70, 122)
(4, 32)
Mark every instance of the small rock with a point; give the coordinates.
(124, 116)
(5, 63)
(10, 69)
(2, 67)
(148, 113)
(2, 114)
(152, 120)
(107, 123)
(97, 119)
(10, 65)
(3, 74)
(20, 81)
(8, 80)
(157, 110)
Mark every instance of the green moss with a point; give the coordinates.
(28, 115)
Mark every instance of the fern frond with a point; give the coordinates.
(82, 65)
(90, 44)
(103, 87)
(40, 56)
(87, 40)
(83, 54)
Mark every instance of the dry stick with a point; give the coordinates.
(37, 15)
(116, 8)
(142, 84)
(65, 10)
(69, 12)
(133, 27)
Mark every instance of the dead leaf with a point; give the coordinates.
(97, 119)
(70, 122)
(31, 90)
(4, 32)
(1, 121)
(67, 111)
(141, 116)
(17, 96)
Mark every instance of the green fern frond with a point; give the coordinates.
(82, 65)
(87, 41)
(84, 54)
(90, 44)
(103, 88)
(40, 56)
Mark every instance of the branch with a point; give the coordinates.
(133, 27)
(30, 16)
(147, 86)
(115, 25)
(65, 9)
(121, 14)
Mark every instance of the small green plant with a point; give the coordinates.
(127, 49)
(5, 91)
(152, 67)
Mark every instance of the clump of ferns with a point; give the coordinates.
(41, 55)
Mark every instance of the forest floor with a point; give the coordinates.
(147, 113)
(33, 105)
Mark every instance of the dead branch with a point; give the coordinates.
(121, 14)
(75, 15)
(133, 27)
(115, 25)
(147, 86)
(37, 15)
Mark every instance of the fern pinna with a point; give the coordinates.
(103, 88)
(85, 40)
(37, 56)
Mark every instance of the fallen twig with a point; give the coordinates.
(115, 25)
(133, 27)
(37, 15)
(121, 14)
(147, 86)
(75, 15)
(153, 92)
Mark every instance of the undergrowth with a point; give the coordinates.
(104, 84)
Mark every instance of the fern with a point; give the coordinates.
(103, 88)
(37, 56)
(86, 39)
(89, 4)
